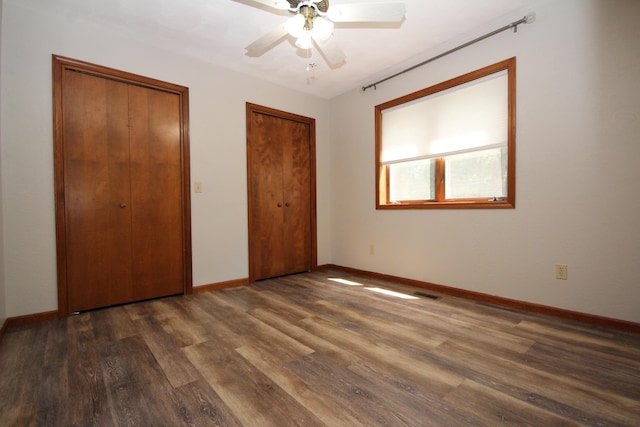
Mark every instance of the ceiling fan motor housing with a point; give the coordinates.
(322, 5)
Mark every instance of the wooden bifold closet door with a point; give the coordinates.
(281, 174)
(122, 206)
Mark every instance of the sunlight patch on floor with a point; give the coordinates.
(378, 290)
(345, 281)
(391, 293)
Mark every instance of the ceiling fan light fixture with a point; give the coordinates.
(335, 14)
(311, 24)
(295, 25)
(322, 28)
(304, 40)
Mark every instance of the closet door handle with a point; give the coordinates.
(287, 204)
(279, 205)
(123, 205)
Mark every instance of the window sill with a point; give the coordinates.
(454, 204)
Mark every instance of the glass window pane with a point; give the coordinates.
(479, 174)
(412, 180)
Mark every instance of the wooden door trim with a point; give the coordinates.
(250, 110)
(60, 64)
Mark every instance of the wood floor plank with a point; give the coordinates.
(567, 334)
(253, 331)
(322, 406)
(174, 364)
(80, 322)
(175, 317)
(112, 324)
(424, 315)
(486, 406)
(598, 372)
(352, 397)
(438, 377)
(19, 350)
(87, 394)
(576, 400)
(412, 395)
(243, 329)
(253, 397)
(318, 344)
(376, 397)
(428, 324)
(397, 335)
(150, 308)
(320, 348)
(268, 300)
(484, 313)
(137, 390)
(52, 396)
(207, 407)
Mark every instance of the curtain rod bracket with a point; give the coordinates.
(528, 19)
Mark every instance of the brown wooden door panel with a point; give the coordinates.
(267, 214)
(297, 193)
(156, 187)
(280, 151)
(122, 195)
(96, 166)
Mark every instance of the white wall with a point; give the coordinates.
(578, 173)
(218, 156)
(3, 298)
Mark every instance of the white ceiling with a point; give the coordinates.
(216, 31)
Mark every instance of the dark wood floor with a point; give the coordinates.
(308, 350)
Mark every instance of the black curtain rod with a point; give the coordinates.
(525, 20)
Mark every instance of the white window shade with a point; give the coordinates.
(466, 118)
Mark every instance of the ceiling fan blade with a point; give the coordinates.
(331, 52)
(367, 12)
(266, 42)
(276, 4)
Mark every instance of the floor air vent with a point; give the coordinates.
(422, 294)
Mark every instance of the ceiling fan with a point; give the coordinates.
(312, 22)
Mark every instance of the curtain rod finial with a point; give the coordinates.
(530, 18)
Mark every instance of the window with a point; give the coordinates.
(451, 145)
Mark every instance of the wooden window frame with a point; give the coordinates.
(440, 202)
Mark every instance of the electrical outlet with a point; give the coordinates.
(372, 249)
(562, 271)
